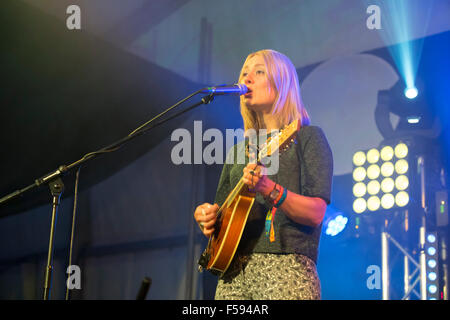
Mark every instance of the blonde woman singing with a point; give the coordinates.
(276, 257)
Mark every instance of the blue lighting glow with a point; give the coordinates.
(432, 263)
(432, 276)
(432, 289)
(336, 225)
(431, 251)
(431, 238)
(404, 36)
(413, 119)
(411, 93)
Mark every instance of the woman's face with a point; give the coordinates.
(261, 95)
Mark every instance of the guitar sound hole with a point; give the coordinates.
(217, 227)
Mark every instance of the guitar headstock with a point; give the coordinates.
(280, 141)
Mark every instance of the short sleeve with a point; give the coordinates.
(317, 163)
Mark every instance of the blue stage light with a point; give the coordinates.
(432, 257)
(432, 288)
(432, 276)
(413, 119)
(431, 251)
(336, 225)
(411, 93)
(431, 238)
(401, 29)
(432, 263)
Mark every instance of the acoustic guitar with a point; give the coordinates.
(232, 215)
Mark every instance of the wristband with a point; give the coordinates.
(281, 200)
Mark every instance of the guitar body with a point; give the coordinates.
(224, 244)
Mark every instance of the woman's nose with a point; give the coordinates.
(248, 79)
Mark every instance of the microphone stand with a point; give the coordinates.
(53, 179)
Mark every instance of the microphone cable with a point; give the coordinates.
(75, 197)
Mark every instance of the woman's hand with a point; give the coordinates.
(255, 178)
(301, 209)
(206, 215)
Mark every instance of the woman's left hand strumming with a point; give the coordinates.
(256, 180)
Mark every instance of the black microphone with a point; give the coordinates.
(235, 89)
(146, 283)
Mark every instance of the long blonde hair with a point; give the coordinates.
(283, 78)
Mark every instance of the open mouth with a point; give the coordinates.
(248, 94)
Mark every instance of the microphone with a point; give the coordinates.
(235, 89)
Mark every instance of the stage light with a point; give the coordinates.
(401, 199)
(387, 169)
(411, 93)
(400, 18)
(432, 258)
(373, 203)
(359, 189)
(373, 155)
(432, 289)
(387, 185)
(373, 171)
(413, 119)
(359, 174)
(380, 180)
(359, 205)
(373, 187)
(431, 238)
(432, 263)
(335, 225)
(401, 166)
(387, 153)
(401, 150)
(387, 201)
(431, 251)
(359, 158)
(401, 182)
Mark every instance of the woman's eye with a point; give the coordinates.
(260, 72)
(244, 74)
